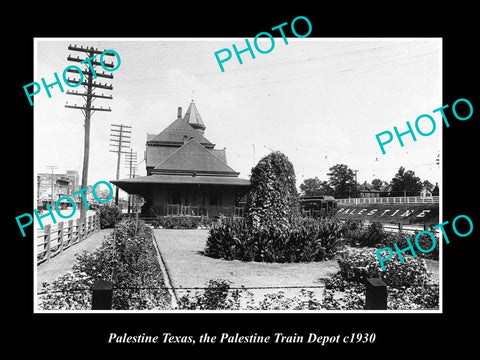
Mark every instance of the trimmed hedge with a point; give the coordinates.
(179, 222)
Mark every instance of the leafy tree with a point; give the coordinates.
(314, 186)
(273, 200)
(405, 182)
(427, 184)
(342, 181)
(310, 186)
(377, 183)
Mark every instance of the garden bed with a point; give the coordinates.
(127, 257)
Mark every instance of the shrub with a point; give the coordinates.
(374, 235)
(273, 200)
(178, 222)
(408, 283)
(109, 215)
(370, 235)
(413, 298)
(217, 296)
(359, 264)
(220, 296)
(128, 258)
(424, 241)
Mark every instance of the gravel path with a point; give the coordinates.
(182, 251)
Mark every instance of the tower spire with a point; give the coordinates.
(192, 116)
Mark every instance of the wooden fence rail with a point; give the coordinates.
(52, 241)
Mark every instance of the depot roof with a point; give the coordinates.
(132, 184)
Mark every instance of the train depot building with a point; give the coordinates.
(186, 175)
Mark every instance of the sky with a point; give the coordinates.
(319, 101)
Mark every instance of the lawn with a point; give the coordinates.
(188, 267)
(182, 251)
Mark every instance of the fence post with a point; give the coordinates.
(70, 232)
(102, 295)
(46, 231)
(79, 230)
(60, 236)
(375, 294)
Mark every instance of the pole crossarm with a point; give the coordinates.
(93, 84)
(87, 108)
(93, 62)
(88, 50)
(110, 97)
(103, 74)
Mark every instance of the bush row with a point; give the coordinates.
(127, 257)
(219, 296)
(179, 222)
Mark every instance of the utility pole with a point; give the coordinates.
(131, 159)
(118, 139)
(86, 80)
(52, 202)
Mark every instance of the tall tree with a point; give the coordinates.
(342, 181)
(406, 183)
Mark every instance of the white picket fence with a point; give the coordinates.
(391, 200)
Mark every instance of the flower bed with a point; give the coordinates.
(305, 240)
(128, 258)
(409, 284)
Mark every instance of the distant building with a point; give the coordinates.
(61, 184)
(385, 190)
(432, 191)
(186, 175)
(368, 191)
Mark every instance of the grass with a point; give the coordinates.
(182, 251)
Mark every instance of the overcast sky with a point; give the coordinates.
(319, 101)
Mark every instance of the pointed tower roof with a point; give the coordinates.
(177, 131)
(192, 116)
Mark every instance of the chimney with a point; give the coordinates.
(179, 112)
